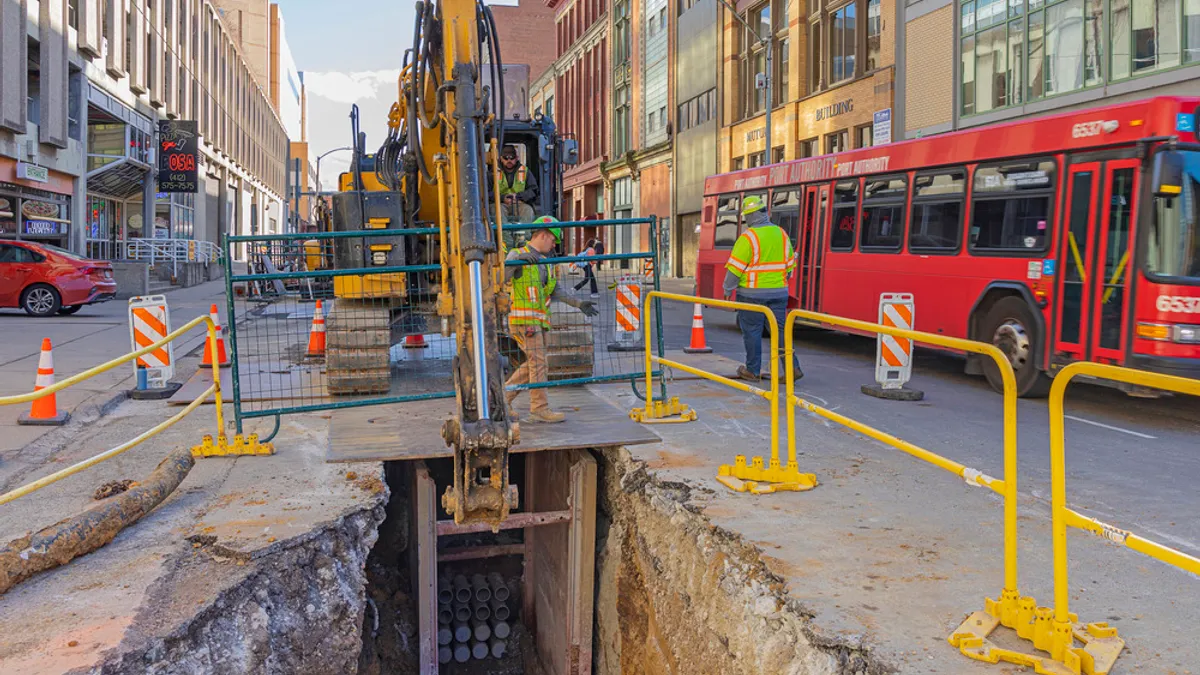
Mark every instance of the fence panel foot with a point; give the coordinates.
(758, 479)
(670, 411)
(241, 445)
(1070, 648)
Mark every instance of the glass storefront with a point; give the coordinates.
(34, 215)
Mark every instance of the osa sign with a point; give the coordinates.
(178, 156)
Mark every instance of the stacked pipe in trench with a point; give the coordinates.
(473, 616)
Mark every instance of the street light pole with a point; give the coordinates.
(768, 80)
(322, 156)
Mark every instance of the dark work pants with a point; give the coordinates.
(751, 325)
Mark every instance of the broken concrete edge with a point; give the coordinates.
(903, 393)
(296, 605)
(298, 610)
(222, 551)
(775, 627)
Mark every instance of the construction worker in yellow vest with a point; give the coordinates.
(758, 269)
(534, 287)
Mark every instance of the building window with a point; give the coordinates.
(697, 110)
(621, 32)
(874, 33)
(73, 14)
(838, 141)
(816, 57)
(757, 159)
(843, 43)
(739, 163)
(777, 154)
(1021, 50)
(550, 107)
(809, 148)
(621, 120)
(783, 57)
(864, 136)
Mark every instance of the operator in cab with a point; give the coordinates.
(518, 187)
(534, 287)
(759, 268)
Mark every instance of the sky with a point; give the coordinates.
(350, 53)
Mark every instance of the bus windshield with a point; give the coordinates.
(1174, 249)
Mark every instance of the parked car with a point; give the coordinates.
(44, 280)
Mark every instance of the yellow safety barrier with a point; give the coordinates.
(1008, 609)
(1057, 631)
(740, 476)
(248, 445)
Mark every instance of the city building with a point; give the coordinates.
(832, 80)
(1026, 57)
(78, 125)
(696, 78)
(584, 108)
(259, 29)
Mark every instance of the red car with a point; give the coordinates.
(44, 279)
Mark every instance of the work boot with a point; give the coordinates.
(744, 373)
(546, 416)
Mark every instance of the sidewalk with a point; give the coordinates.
(96, 334)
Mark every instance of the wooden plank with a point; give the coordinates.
(529, 570)
(406, 431)
(425, 512)
(551, 560)
(515, 521)
(582, 565)
(477, 552)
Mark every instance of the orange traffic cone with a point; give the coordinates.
(415, 342)
(698, 345)
(44, 412)
(316, 337)
(222, 354)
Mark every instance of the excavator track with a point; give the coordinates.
(358, 346)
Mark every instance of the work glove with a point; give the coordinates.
(529, 257)
(588, 308)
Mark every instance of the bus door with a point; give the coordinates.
(809, 246)
(785, 212)
(1094, 257)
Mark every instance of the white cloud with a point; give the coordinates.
(351, 87)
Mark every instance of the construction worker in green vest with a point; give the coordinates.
(518, 193)
(758, 269)
(534, 287)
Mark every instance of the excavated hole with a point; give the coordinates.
(672, 594)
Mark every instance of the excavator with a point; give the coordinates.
(436, 176)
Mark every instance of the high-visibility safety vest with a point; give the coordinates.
(762, 257)
(531, 299)
(517, 185)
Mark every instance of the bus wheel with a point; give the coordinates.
(1010, 326)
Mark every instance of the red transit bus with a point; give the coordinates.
(1068, 237)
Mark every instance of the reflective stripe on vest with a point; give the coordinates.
(530, 299)
(517, 185)
(771, 258)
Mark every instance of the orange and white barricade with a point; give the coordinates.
(893, 355)
(627, 330)
(149, 322)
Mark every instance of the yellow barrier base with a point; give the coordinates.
(1100, 644)
(670, 411)
(247, 445)
(761, 480)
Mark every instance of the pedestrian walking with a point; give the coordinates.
(758, 269)
(589, 276)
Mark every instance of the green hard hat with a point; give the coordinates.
(556, 231)
(753, 203)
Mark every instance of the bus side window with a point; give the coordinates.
(785, 211)
(845, 215)
(1011, 207)
(935, 225)
(725, 232)
(883, 213)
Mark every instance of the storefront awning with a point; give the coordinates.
(122, 179)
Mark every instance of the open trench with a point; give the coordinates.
(661, 591)
(671, 594)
